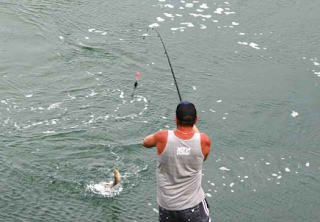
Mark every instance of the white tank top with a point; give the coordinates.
(179, 173)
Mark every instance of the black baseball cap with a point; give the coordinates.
(186, 112)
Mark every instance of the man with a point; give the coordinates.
(179, 171)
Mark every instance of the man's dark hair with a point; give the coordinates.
(186, 114)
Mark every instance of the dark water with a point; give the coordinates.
(67, 116)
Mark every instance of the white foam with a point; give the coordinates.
(307, 164)
(91, 30)
(200, 10)
(241, 33)
(102, 189)
(241, 158)
(162, 0)
(168, 6)
(205, 6)
(254, 45)
(159, 19)
(294, 114)
(229, 13)
(218, 11)
(219, 101)
(279, 177)
(246, 177)
(194, 88)
(154, 25)
(224, 117)
(274, 174)
(231, 184)
(28, 96)
(212, 184)
(54, 106)
(224, 169)
(104, 33)
(202, 26)
(189, 5)
(179, 28)
(155, 210)
(179, 15)
(235, 23)
(189, 24)
(212, 110)
(267, 163)
(49, 132)
(168, 15)
(208, 195)
(316, 63)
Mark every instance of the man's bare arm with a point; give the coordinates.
(149, 141)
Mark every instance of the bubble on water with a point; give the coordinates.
(205, 6)
(294, 114)
(254, 45)
(168, 6)
(307, 164)
(229, 13)
(168, 15)
(54, 106)
(224, 169)
(154, 25)
(189, 24)
(287, 169)
(49, 132)
(218, 11)
(202, 26)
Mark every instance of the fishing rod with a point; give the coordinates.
(173, 75)
(166, 53)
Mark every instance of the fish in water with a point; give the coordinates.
(116, 178)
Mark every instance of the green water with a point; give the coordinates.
(67, 116)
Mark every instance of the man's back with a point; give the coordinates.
(179, 173)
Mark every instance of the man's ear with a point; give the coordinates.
(196, 121)
(176, 120)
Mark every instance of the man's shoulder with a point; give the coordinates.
(161, 134)
(205, 138)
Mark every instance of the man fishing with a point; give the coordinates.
(181, 153)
